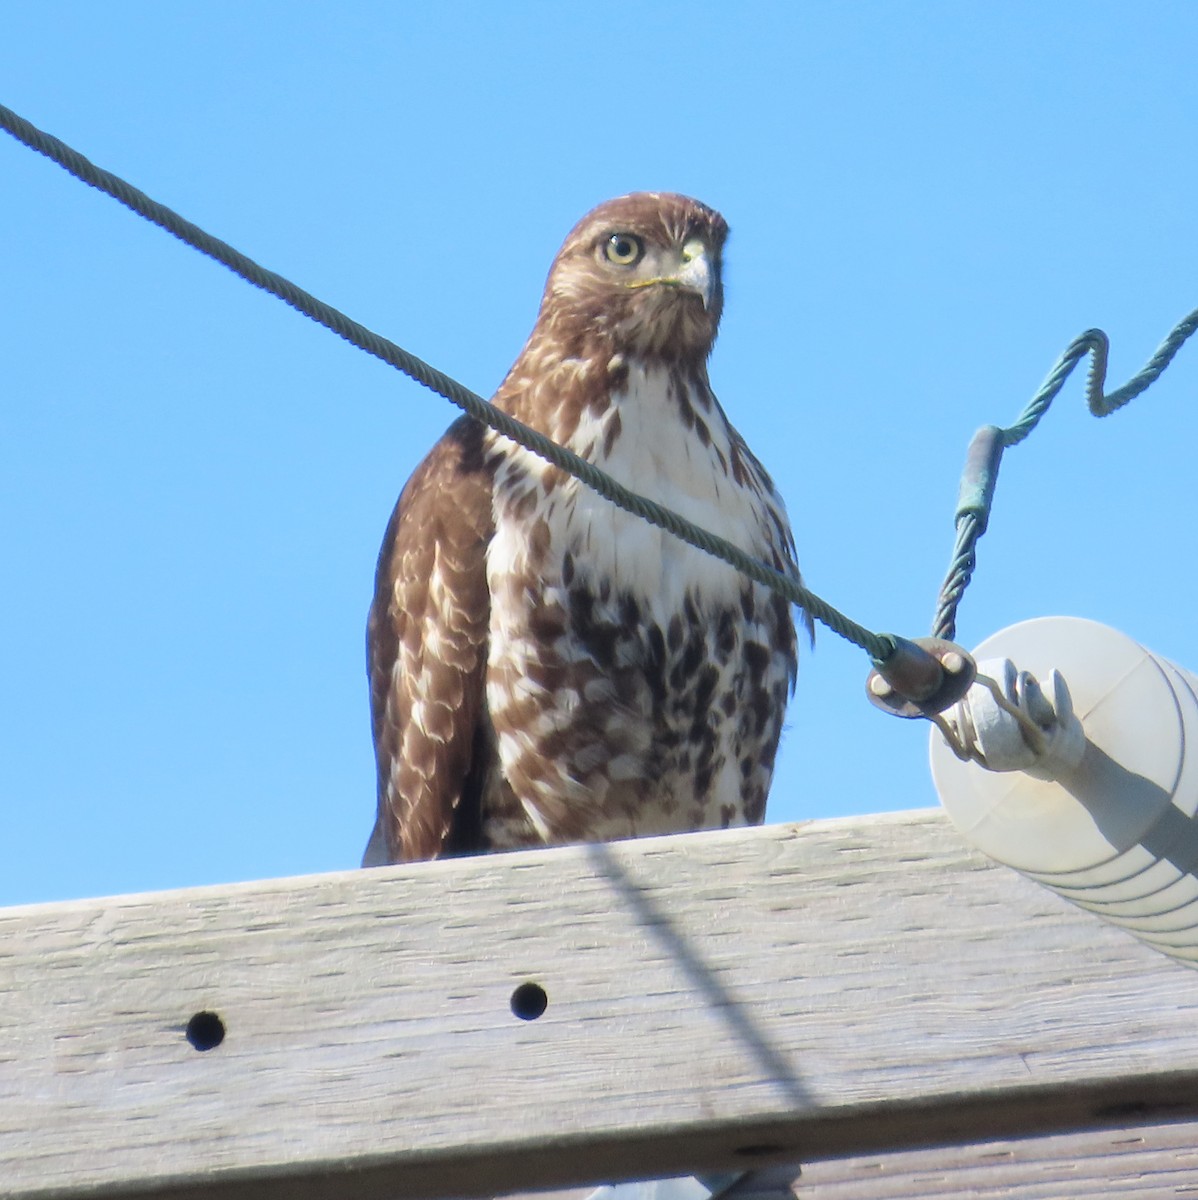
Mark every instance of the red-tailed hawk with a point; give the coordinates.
(545, 668)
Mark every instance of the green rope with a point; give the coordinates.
(878, 646)
(986, 449)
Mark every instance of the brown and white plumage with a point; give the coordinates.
(545, 668)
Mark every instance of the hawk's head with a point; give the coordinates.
(642, 271)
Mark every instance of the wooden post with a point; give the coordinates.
(710, 1001)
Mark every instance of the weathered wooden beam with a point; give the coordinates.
(1156, 1162)
(713, 1001)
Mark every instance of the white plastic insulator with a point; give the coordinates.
(1003, 740)
(1107, 822)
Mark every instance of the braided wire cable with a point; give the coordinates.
(960, 572)
(878, 646)
(986, 449)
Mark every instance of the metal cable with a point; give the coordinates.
(977, 487)
(986, 449)
(877, 646)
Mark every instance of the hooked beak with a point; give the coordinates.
(695, 275)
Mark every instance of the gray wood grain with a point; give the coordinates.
(725, 1000)
(1151, 1163)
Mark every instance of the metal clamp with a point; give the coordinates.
(921, 678)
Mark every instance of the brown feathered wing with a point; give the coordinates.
(426, 656)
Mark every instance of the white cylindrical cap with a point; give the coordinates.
(1116, 833)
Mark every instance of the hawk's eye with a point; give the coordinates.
(623, 249)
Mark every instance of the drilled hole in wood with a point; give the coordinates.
(205, 1031)
(529, 1001)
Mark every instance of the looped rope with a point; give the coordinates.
(986, 449)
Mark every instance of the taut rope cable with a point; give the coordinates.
(877, 646)
(977, 486)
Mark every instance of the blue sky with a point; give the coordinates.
(928, 201)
